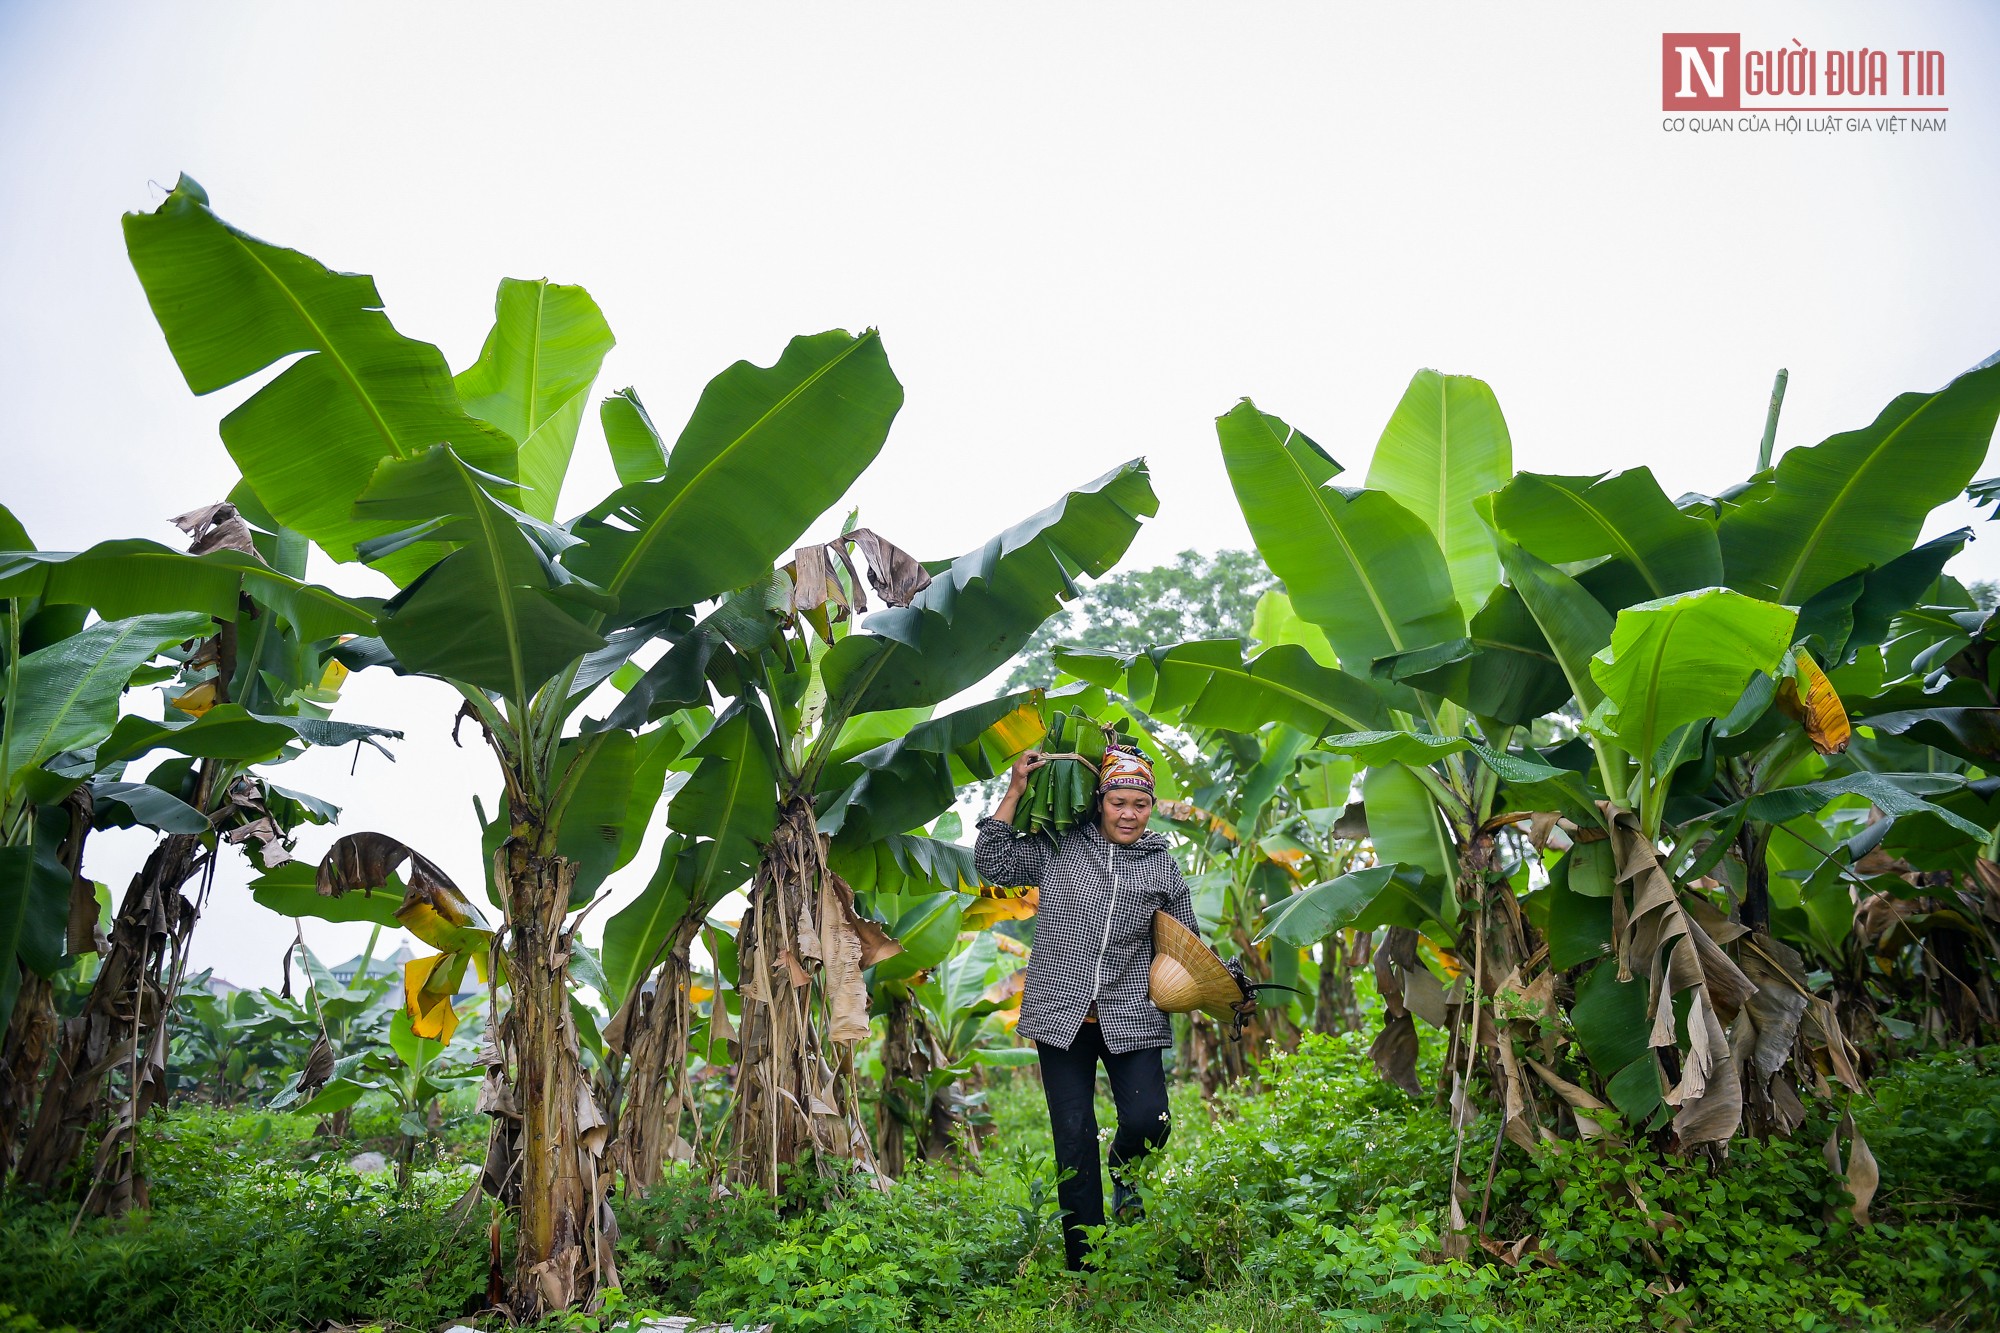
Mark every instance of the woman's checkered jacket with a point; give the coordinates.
(1093, 929)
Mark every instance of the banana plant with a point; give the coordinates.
(241, 689)
(367, 445)
(936, 1037)
(367, 1045)
(1670, 663)
(1711, 720)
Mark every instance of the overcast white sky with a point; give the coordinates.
(1084, 231)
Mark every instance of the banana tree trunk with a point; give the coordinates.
(1754, 841)
(127, 1017)
(900, 1058)
(805, 1005)
(1336, 1009)
(1491, 943)
(563, 1246)
(30, 1034)
(115, 1050)
(657, 1093)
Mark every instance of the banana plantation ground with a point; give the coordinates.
(1618, 874)
(1311, 1204)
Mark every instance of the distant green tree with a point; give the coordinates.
(1198, 596)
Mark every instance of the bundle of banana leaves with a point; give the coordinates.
(1060, 791)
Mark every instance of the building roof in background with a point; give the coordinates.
(377, 967)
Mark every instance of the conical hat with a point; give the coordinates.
(1188, 975)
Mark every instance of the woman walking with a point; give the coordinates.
(1084, 1000)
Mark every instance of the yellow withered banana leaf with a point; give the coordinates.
(428, 985)
(433, 908)
(989, 908)
(433, 922)
(198, 700)
(1815, 704)
(1017, 730)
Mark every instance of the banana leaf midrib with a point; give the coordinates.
(56, 717)
(646, 537)
(502, 585)
(1242, 672)
(533, 425)
(1625, 547)
(327, 345)
(705, 867)
(1347, 550)
(1444, 464)
(1833, 510)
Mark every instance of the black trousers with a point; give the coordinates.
(1069, 1080)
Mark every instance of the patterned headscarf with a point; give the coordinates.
(1124, 766)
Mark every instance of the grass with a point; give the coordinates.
(1313, 1204)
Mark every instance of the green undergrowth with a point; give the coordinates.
(1313, 1203)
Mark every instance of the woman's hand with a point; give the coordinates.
(1017, 784)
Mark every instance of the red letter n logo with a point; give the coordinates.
(1700, 71)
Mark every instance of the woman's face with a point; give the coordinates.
(1126, 810)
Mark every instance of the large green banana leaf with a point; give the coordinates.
(1277, 621)
(637, 452)
(1655, 549)
(904, 865)
(913, 779)
(635, 932)
(767, 451)
(1381, 895)
(1209, 683)
(1578, 924)
(1970, 732)
(1445, 445)
(1357, 563)
(1573, 623)
(1612, 1025)
(140, 804)
(309, 441)
(980, 609)
(1894, 794)
(1375, 748)
(1683, 658)
(228, 731)
(597, 774)
(1282, 747)
(292, 890)
(1860, 498)
(533, 378)
(492, 613)
(750, 620)
(1503, 669)
(41, 625)
(659, 751)
(1855, 612)
(34, 906)
(717, 822)
(65, 696)
(867, 730)
(1404, 825)
(134, 577)
(731, 802)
